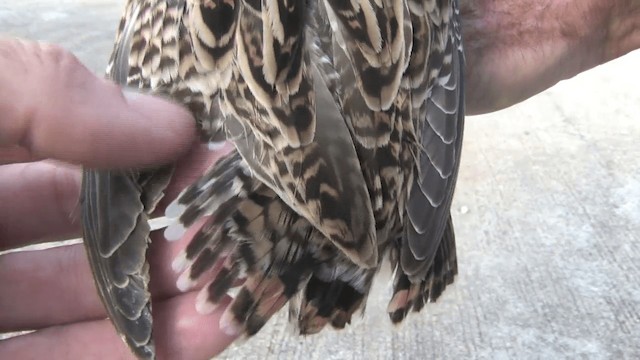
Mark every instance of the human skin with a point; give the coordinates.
(518, 48)
(53, 108)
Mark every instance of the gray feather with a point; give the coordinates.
(432, 191)
(116, 252)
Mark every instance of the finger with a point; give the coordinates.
(88, 340)
(179, 333)
(39, 202)
(54, 107)
(45, 288)
(14, 154)
(55, 286)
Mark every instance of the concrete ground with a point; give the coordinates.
(547, 213)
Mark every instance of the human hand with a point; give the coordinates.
(517, 48)
(55, 116)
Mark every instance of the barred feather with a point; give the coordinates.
(373, 35)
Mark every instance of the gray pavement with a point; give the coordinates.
(547, 213)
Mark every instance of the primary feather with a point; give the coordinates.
(347, 120)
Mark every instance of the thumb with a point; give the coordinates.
(52, 106)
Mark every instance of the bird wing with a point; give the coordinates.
(439, 123)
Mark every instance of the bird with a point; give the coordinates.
(346, 119)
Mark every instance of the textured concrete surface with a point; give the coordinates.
(547, 215)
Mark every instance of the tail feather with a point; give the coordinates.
(222, 182)
(269, 251)
(335, 291)
(324, 302)
(209, 255)
(263, 242)
(275, 255)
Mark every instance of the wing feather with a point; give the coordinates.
(117, 253)
(441, 141)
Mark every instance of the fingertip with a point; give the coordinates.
(133, 129)
(59, 109)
